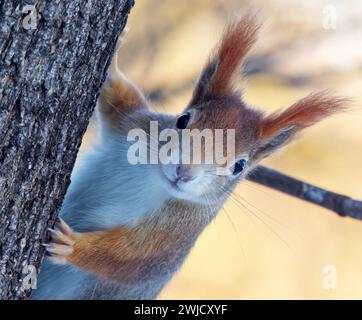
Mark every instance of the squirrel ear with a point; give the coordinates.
(218, 76)
(272, 144)
(277, 129)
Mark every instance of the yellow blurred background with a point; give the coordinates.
(272, 246)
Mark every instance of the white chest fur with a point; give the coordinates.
(107, 191)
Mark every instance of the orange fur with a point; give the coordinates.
(112, 254)
(237, 41)
(120, 253)
(119, 95)
(219, 75)
(304, 113)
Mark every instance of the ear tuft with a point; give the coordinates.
(218, 76)
(304, 113)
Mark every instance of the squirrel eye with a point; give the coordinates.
(239, 166)
(183, 120)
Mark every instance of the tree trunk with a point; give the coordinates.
(54, 56)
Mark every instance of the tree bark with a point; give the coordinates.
(53, 59)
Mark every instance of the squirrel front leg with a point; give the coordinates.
(115, 254)
(92, 251)
(118, 95)
(104, 253)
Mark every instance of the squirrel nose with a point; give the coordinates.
(184, 173)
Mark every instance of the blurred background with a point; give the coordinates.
(268, 245)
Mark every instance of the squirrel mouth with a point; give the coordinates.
(172, 183)
(175, 185)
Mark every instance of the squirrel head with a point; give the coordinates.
(216, 104)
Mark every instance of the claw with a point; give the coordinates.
(63, 227)
(61, 245)
(59, 249)
(60, 237)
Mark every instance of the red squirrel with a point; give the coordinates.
(126, 229)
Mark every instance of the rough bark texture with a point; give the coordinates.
(51, 70)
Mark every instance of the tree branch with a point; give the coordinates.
(340, 204)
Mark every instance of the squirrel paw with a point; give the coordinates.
(61, 243)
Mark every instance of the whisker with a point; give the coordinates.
(236, 233)
(232, 196)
